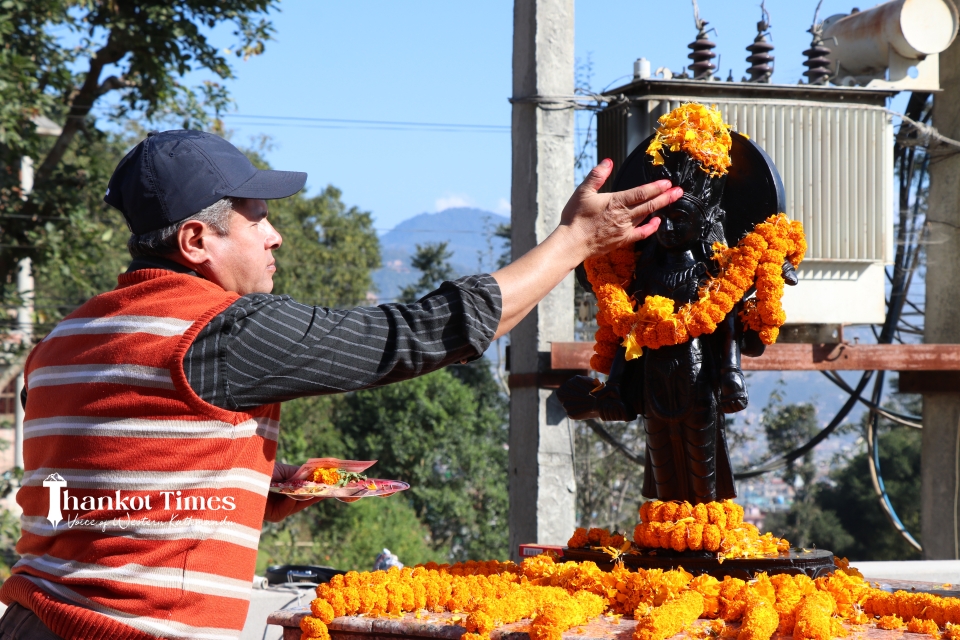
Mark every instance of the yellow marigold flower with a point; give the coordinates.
(813, 617)
(670, 618)
(760, 620)
(325, 476)
(952, 631)
(698, 131)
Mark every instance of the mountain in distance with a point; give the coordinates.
(469, 236)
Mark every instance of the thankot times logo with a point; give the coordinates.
(61, 500)
(54, 482)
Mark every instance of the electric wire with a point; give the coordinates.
(876, 476)
(913, 422)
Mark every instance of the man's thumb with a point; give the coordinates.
(598, 175)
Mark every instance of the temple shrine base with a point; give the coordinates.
(812, 562)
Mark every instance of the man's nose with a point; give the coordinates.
(274, 239)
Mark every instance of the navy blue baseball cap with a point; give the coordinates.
(172, 175)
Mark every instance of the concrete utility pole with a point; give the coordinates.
(542, 481)
(941, 411)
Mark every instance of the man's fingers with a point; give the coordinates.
(638, 195)
(644, 231)
(598, 175)
(644, 209)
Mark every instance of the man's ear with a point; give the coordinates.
(192, 241)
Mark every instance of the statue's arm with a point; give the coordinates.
(584, 397)
(733, 388)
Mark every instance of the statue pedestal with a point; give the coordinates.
(814, 563)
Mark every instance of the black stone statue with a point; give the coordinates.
(683, 391)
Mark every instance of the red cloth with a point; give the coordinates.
(111, 413)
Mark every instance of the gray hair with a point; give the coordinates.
(163, 242)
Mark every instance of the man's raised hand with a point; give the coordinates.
(606, 221)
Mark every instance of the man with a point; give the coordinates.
(152, 412)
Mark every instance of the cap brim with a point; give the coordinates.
(270, 185)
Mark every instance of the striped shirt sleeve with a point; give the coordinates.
(267, 348)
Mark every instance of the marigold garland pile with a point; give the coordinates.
(559, 596)
(717, 527)
(756, 260)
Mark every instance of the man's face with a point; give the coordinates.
(242, 261)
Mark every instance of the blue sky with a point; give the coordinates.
(450, 63)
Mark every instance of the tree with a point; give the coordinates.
(842, 512)
(433, 262)
(53, 56)
(434, 433)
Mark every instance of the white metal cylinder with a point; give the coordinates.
(914, 29)
(641, 69)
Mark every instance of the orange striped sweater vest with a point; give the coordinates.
(142, 504)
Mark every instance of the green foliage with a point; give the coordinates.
(842, 513)
(444, 434)
(433, 262)
(608, 483)
(850, 496)
(349, 536)
(81, 254)
(788, 427)
(433, 433)
(53, 54)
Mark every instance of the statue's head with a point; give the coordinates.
(697, 216)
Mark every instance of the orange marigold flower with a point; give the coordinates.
(711, 537)
(889, 622)
(314, 628)
(917, 625)
(321, 609)
(579, 539)
(596, 535)
(760, 620)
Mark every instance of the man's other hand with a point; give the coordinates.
(280, 506)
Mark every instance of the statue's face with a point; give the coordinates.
(679, 224)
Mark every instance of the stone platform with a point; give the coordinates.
(444, 626)
(943, 579)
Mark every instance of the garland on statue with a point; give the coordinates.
(701, 133)
(756, 260)
(559, 596)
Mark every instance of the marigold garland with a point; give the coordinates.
(756, 260)
(561, 595)
(717, 527)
